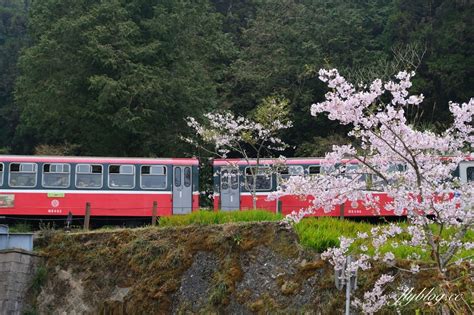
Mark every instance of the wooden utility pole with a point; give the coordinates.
(154, 213)
(88, 216)
(341, 216)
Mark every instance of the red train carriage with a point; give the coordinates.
(118, 187)
(233, 183)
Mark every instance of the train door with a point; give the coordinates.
(182, 190)
(230, 189)
(466, 171)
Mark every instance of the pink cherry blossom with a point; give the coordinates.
(412, 167)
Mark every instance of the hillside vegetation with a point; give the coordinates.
(207, 267)
(117, 77)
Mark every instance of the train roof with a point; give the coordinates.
(294, 161)
(288, 161)
(91, 159)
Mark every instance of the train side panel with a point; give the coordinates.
(102, 204)
(288, 204)
(105, 200)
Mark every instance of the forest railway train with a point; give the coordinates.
(41, 186)
(114, 187)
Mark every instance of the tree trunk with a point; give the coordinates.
(254, 191)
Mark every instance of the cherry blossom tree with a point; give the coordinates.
(414, 168)
(252, 137)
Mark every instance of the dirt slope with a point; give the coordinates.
(222, 269)
(232, 268)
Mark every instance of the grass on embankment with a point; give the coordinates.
(324, 232)
(20, 228)
(212, 217)
(316, 233)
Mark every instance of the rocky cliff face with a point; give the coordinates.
(235, 268)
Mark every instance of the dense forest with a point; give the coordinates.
(118, 77)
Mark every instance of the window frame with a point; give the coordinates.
(467, 173)
(315, 165)
(91, 165)
(189, 182)
(397, 167)
(2, 173)
(250, 189)
(165, 175)
(280, 176)
(134, 175)
(19, 171)
(232, 178)
(287, 168)
(221, 179)
(373, 182)
(236, 177)
(177, 178)
(68, 177)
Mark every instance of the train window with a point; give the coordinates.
(56, 175)
(351, 168)
(121, 176)
(314, 170)
(177, 176)
(291, 170)
(373, 182)
(470, 174)
(234, 179)
(187, 176)
(296, 170)
(397, 167)
(88, 176)
(153, 177)
(230, 177)
(23, 174)
(284, 171)
(392, 168)
(263, 179)
(352, 171)
(1, 174)
(225, 179)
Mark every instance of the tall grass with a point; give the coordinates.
(211, 217)
(20, 228)
(324, 232)
(317, 233)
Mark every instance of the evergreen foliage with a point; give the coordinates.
(118, 77)
(13, 38)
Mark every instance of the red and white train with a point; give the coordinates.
(113, 187)
(37, 186)
(233, 182)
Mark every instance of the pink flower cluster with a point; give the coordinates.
(226, 132)
(413, 167)
(375, 299)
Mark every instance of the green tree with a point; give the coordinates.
(446, 28)
(288, 39)
(12, 39)
(118, 77)
(250, 138)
